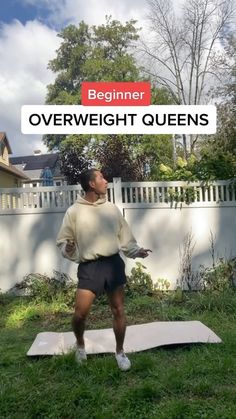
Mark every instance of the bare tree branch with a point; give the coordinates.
(185, 46)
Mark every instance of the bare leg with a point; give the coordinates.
(84, 300)
(116, 300)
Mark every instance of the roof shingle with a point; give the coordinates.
(36, 162)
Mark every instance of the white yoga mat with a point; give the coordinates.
(138, 338)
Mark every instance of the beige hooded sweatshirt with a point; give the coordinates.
(97, 229)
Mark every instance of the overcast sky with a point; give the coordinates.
(28, 40)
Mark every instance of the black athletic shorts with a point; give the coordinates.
(104, 274)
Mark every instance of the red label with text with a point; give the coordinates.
(116, 93)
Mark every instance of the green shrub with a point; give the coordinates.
(187, 195)
(162, 284)
(43, 288)
(139, 282)
(219, 277)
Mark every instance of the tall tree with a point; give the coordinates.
(93, 54)
(116, 159)
(228, 91)
(74, 158)
(96, 53)
(224, 141)
(182, 50)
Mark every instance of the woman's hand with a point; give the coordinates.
(143, 253)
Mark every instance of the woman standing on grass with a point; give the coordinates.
(92, 234)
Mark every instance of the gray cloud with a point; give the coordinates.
(24, 55)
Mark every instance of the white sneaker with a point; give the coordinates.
(123, 362)
(80, 354)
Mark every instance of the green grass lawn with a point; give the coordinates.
(197, 381)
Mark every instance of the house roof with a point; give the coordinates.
(36, 162)
(3, 138)
(32, 174)
(13, 170)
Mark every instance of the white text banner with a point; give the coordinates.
(153, 119)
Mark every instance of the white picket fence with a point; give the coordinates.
(123, 194)
(160, 215)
